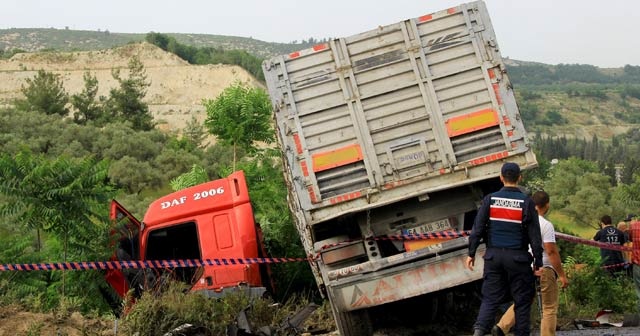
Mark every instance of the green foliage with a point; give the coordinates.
(218, 159)
(580, 190)
(529, 94)
(8, 53)
(134, 175)
(20, 129)
(44, 94)
(630, 91)
(197, 175)
(535, 179)
(553, 118)
(544, 74)
(593, 289)
(70, 206)
(627, 196)
(240, 116)
(530, 112)
(563, 179)
(589, 203)
(208, 55)
(531, 74)
(86, 107)
(606, 155)
(194, 134)
(175, 162)
(125, 103)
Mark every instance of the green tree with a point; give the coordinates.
(590, 201)
(240, 116)
(85, 104)
(134, 175)
(627, 196)
(158, 39)
(629, 168)
(194, 132)
(563, 180)
(45, 94)
(174, 162)
(62, 196)
(197, 175)
(126, 102)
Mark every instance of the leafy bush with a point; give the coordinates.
(630, 91)
(554, 117)
(593, 289)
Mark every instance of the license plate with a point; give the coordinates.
(440, 225)
(431, 244)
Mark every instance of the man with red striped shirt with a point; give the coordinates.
(634, 232)
(507, 222)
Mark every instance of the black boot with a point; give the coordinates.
(478, 332)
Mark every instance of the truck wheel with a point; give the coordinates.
(355, 323)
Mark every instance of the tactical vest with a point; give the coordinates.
(505, 220)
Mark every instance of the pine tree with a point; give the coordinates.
(126, 103)
(44, 93)
(87, 108)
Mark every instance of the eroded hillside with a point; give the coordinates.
(176, 91)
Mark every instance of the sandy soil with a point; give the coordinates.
(177, 88)
(14, 321)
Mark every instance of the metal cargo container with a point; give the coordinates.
(393, 131)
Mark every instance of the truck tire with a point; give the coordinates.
(354, 323)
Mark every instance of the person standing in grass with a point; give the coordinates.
(611, 259)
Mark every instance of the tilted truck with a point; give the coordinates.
(398, 130)
(213, 220)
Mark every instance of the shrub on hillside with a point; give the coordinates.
(592, 289)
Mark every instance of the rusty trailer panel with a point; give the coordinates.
(395, 284)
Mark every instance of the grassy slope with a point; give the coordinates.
(584, 116)
(564, 222)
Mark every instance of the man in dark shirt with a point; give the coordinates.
(508, 222)
(613, 260)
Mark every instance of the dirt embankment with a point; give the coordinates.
(177, 88)
(15, 321)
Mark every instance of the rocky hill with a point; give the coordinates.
(176, 91)
(37, 39)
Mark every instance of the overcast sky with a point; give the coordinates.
(598, 32)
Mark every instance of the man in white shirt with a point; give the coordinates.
(552, 272)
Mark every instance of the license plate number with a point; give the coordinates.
(439, 225)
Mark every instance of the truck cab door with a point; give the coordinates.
(125, 240)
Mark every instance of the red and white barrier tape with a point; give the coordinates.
(139, 264)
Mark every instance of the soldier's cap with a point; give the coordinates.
(510, 169)
(629, 217)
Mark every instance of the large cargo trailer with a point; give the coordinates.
(397, 130)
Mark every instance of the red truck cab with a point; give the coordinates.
(213, 220)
